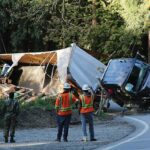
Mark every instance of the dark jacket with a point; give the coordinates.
(10, 108)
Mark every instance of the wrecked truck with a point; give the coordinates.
(46, 72)
(129, 81)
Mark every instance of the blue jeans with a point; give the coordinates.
(63, 123)
(84, 118)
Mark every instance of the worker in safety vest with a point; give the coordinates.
(86, 112)
(63, 106)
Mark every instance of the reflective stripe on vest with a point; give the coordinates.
(66, 108)
(84, 105)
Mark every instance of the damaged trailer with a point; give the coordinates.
(129, 81)
(45, 72)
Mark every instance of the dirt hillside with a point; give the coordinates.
(36, 118)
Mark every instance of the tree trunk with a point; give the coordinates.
(94, 21)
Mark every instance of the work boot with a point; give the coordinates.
(6, 140)
(65, 140)
(58, 140)
(85, 139)
(93, 139)
(12, 140)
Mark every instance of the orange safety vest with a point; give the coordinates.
(87, 104)
(64, 103)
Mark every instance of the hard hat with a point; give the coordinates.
(85, 87)
(67, 86)
(129, 87)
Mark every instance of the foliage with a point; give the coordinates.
(134, 14)
(46, 104)
(1, 116)
(113, 27)
(1, 104)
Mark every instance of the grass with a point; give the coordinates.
(43, 103)
(1, 117)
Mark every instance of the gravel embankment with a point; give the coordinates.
(43, 139)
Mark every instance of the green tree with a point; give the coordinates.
(135, 13)
(112, 27)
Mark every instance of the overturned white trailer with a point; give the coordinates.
(47, 71)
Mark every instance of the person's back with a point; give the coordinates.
(63, 106)
(10, 112)
(65, 101)
(86, 102)
(86, 112)
(11, 108)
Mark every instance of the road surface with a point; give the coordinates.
(138, 140)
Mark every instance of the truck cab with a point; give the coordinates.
(129, 78)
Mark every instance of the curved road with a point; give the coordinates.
(139, 140)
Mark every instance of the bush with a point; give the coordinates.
(43, 103)
(1, 117)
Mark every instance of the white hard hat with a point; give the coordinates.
(85, 87)
(67, 86)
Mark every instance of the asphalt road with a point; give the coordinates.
(138, 140)
(43, 139)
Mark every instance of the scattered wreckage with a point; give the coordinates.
(43, 73)
(129, 81)
(126, 80)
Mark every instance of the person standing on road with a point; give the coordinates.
(63, 106)
(10, 112)
(86, 112)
